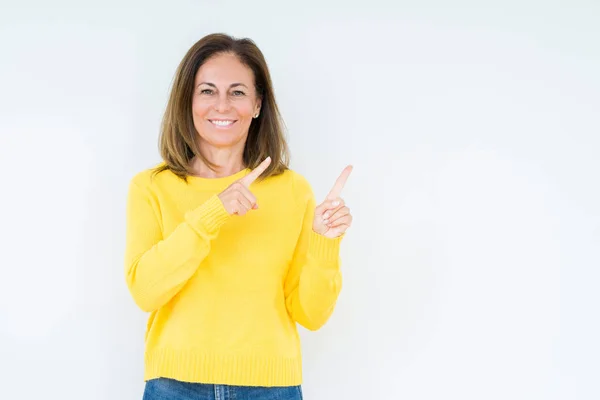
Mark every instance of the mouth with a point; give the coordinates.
(222, 123)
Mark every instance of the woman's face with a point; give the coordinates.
(224, 102)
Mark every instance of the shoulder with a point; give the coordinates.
(148, 178)
(296, 185)
(143, 178)
(300, 183)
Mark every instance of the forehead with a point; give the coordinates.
(224, 69)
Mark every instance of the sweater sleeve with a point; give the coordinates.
(314, 280)
(156, 267)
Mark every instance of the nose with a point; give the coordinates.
(222, 104)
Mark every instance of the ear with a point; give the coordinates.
(258, 105)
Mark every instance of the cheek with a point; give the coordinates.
(245, 109)
(199, 109)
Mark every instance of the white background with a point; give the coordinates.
(471, 269)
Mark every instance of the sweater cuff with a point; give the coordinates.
(209, 216)
(323, 248)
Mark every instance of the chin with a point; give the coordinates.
(223, 140)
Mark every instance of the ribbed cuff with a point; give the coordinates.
(209, 216)
(323, 248)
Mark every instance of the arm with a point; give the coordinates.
(156, 268)
(314, 280)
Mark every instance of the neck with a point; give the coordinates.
(228, 161)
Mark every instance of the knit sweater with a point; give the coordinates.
(225, 292)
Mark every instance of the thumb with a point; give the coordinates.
(327, 205)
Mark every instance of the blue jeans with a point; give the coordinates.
(170, 389)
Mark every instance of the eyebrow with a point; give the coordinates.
(215, 86)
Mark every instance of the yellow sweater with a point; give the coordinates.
(225, 292)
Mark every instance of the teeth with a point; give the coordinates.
(222, 123)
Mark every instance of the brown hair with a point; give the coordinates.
(178, 137)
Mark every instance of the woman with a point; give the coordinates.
(226, 247)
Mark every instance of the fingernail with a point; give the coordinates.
(326, 215)
(336, 203)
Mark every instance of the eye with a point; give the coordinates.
(238, 93)
(206, 91)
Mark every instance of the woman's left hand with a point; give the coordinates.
(332, 217)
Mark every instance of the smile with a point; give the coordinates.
(222, 123)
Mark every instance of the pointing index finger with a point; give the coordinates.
(336, 191)
(255, 173)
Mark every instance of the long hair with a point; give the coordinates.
(178, 140)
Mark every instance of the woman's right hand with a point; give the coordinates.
(237, 198)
